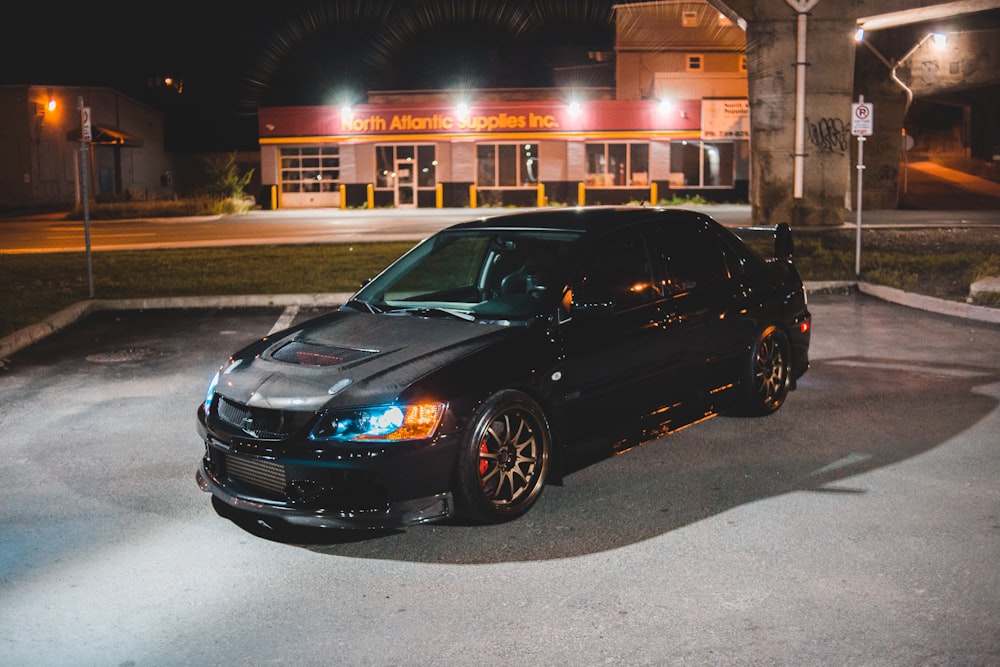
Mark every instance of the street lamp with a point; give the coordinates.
(939, 41)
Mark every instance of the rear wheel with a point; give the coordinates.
(505, 459)
(769, 372)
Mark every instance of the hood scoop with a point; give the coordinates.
(304, 353)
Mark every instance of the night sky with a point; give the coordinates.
(229, 58)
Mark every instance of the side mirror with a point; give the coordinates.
(784, 247)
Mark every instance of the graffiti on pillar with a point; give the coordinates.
(830, 135)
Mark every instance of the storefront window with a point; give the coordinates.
(506, 165)
(702, 163)
(395, 161)
(310, 169)
(385, 166)
(486, 165)
(617, 165)
(717, 161)
(426, 167)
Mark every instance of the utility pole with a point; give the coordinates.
(85, 139)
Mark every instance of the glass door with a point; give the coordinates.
(406, 177)
(405, 183)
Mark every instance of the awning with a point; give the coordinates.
(107, 136)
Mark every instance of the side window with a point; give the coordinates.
(693, 256)
(620, 273)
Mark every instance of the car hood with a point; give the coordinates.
(349, 359)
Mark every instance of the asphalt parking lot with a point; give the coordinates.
(860, 525)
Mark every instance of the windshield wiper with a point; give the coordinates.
(358, 304)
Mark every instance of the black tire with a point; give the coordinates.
(505, 459)
(769, 373)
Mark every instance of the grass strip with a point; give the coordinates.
(33, 286)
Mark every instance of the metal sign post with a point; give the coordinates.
(861, 127)
(85, 139)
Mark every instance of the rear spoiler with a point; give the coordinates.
(784, 246)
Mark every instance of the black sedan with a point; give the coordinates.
(494, 357)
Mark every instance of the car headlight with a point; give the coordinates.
(390, 423)
(216, 379)
(210, 393)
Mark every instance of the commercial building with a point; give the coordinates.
(677, 123)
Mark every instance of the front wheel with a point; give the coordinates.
(505, 458)
(769, 372)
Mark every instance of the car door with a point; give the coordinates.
(706, 309)
(613, 342)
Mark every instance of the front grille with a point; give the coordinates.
(301, 486)
(261, 422)
(257, 473)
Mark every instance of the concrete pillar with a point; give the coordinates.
(771, 53)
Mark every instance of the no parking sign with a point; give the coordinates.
(862, 122)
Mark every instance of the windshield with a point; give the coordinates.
(491, 274)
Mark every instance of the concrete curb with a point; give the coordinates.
(30, 335)
(941, 306)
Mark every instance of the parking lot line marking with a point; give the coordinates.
(285, 321)
(911, 367)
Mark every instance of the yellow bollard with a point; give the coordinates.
(654, 195)
(343, 196)
(439, 195)
(472, 196)
(581, 194)
(274, 197)
(371, 196)
(541, 195)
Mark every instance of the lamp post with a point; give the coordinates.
(893, 65)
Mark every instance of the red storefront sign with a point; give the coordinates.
(499, 119)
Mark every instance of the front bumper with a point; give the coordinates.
(393, 515)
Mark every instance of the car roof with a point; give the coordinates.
(589, 219)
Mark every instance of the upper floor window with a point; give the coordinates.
(694, 62)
